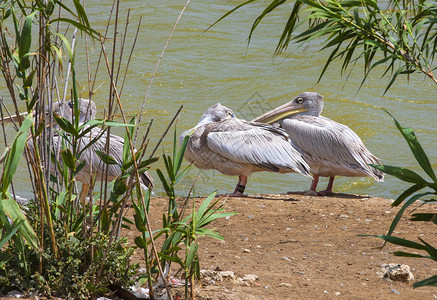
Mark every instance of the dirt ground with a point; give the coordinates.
(305, 247)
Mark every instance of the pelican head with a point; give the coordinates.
(216, 113)
(307, 103)
(87, 110)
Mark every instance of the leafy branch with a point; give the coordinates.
(403, 33)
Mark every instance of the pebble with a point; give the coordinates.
(246, 251)
(344, 216)
(250, 216)
(283, 284)
(285, 258)
(337, 293)
(394, 291)
(251, 278)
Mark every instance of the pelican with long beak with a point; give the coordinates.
(94, 167)
(236, 147)
(330, 148)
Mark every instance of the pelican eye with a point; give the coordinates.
(230, 113)
(70, 104)
(299, 100)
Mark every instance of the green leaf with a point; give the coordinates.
(416, 148)
(399, 241)
(15, 153)
(65, 125)
(401, 211)
(88, 30)
(9, 233)
(25, 41)
(68, 159)
(428, 281)
(401, 173)
(139, 241)
(407, 193)
(182, 174)
(406, 254)
(179, 156)
(424, 217)
(126, 145)
(106, 158)
(192, 253)
(10, 207)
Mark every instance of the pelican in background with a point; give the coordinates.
(330, 148)
(232, 146)
(94, 167)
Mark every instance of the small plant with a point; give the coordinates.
(180, 233)
(411, 195)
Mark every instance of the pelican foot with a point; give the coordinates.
(234, 194)
(310, 193)
(325, 193)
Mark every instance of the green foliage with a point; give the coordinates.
(177, 229)
(76, 273)
(402, 32)
(411, 196)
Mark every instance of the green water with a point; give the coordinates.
(201, 68)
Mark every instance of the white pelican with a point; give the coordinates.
(330, 148)
(94, 167)
(236, 147)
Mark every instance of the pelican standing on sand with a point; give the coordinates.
(330, 148)
(94, 167)
(236, 147)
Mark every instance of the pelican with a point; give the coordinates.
(330, 148)
(94, 166)
(234, 147)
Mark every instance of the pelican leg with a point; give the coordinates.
(312, 191)
(83, 194)
(328, 190)
(239, 189)
(314, 183)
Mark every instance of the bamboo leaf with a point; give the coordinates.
(428, 281)
(416, 148)
(106, 158)
(68, 159)
(9, 233)
(402, 173)
(15, 153)
(399, 241)
(65, 125)
(25, 41)
(10, 207)
(401, 211)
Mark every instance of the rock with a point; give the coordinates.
(283, 284)
(250, 278)
(246, 251)
(396, 272)
(227, 275)
(15, 294)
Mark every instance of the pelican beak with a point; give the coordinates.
(280, 113)
(14, 118)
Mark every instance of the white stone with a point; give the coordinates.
(396, 272)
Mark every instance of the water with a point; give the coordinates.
(201, 68)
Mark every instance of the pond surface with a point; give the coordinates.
(202, 68)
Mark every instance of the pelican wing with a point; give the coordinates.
(264, 146)
(324, 139)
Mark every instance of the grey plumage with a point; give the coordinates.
(94, 167)
(329, 147)
(232, 146)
